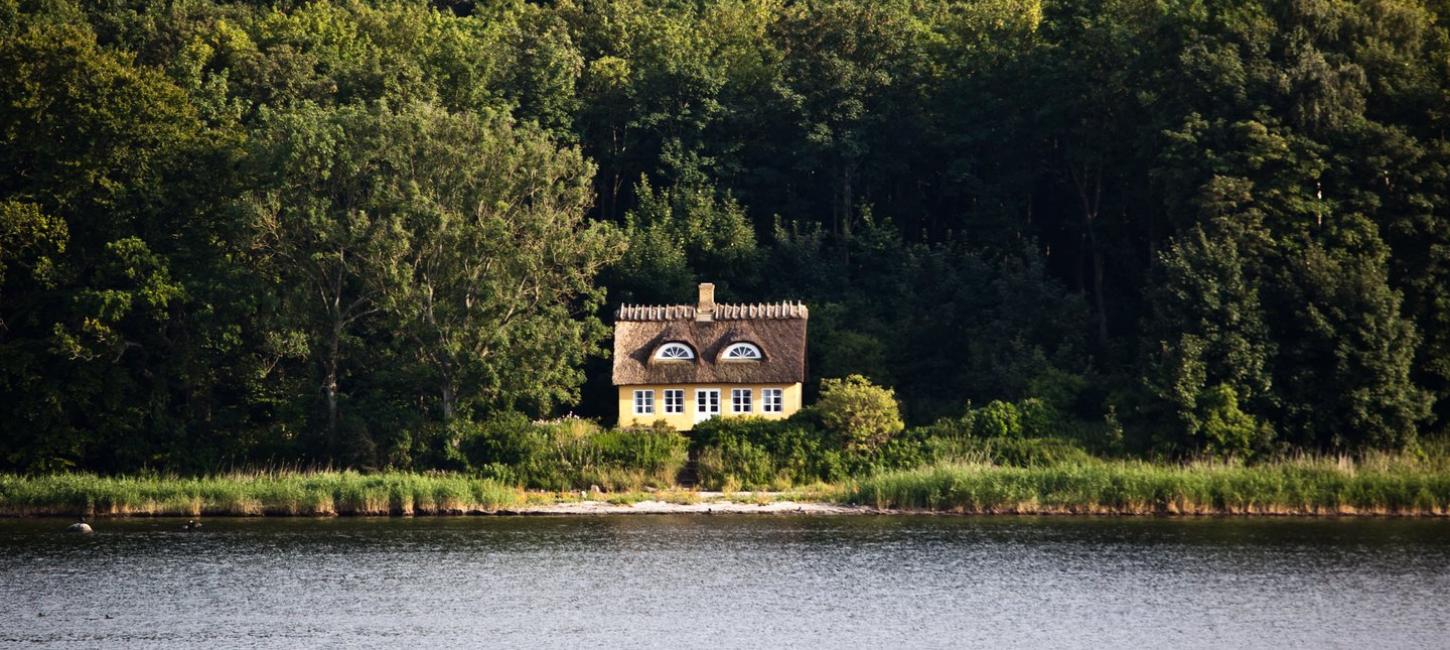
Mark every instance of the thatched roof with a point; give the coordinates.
(778, 329)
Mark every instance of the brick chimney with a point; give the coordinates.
(705, 310)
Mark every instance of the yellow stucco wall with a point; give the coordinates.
(790, 403)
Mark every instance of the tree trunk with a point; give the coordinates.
(329, 387)
(450, 400)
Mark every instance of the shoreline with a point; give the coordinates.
(1290, 489)
(758, 503)
(712, 507)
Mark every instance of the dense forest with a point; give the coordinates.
(235, 234)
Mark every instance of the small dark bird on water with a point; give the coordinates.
(191, 524)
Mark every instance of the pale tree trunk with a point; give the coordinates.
(450, 400)
(329, 386)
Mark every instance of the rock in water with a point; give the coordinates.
(79, 527)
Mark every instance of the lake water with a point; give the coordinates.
(728, 582)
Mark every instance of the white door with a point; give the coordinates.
(707, 403)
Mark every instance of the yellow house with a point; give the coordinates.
(687, 363)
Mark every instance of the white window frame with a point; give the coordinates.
(674, 401)
(742, 352)
(644, 402)
(703, 410)
(742, 397)
(678, 352)
(772, 400)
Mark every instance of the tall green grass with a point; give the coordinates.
(1379, 485)
(315, 494)
(1303, 486)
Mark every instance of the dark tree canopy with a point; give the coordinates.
(335, 232)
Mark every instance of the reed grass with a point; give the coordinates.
(1306, 486)
(1375, 485)
(251, 494)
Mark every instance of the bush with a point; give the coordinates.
(863, 414)
(756, 453)
(910, 449)
(1226, 430)
(572, 453)
(997, 419)
(1034, 452)
(735, 462)
(506, 439)
(797, 451)
(1029, 418)
(652, 450)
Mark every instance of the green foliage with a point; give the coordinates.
(1031, 417)
(735, 463)
(1347, 361)
(571, 453)
(29, 242)
(861, 413)
(353, 233)
(462, 237)
(756, 453)
(674, 232)
(1226, 430)
(996, 420)
(1028, 452)
(1209, 331)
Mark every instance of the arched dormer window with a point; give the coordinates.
(674, 351)
(742, 352)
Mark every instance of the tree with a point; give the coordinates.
(94, 215)
(496, 288)
(327, 219)
(678, 236)
(1347, 351)
(1207, 331)
(863, 414)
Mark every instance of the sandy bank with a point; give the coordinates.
(705, 506)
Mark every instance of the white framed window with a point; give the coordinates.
(674, 400)
(707, 403)
(674, 351)
(772, 400)
(644, 402)
(740, 400)
(742, 352)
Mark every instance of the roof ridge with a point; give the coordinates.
(781, 309)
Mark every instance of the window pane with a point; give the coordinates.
(674, 352)
(772, 400)
(740, 400)
(674, 401)
(707, 401)
(742, 351)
